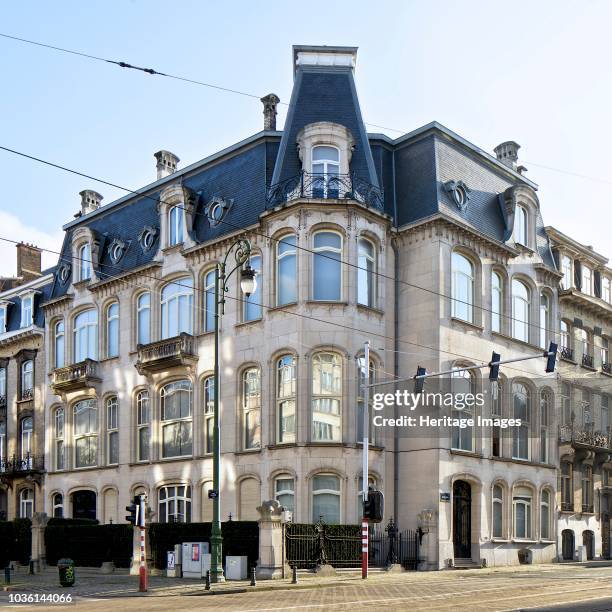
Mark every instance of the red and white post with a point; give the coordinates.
(366, 448)
(143, 561)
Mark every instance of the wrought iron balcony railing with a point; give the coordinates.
(15, 466)
(585, 435)
(587, 508)
(567, 353)
(27, 394)
(567, 507)
(587, 360)
(325, 187)
(176, 351)
(606, 367)
(2, 401)
(75, 376)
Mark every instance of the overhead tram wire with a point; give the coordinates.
(510, 318)
(110, 277)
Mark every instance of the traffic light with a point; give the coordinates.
(374, 507)
(494, 366)
(134, 511)
(419, 382)
(551, 357)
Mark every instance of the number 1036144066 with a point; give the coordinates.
(41, 598)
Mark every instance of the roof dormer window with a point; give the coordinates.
(3, 316)
(520, 226)
(175, 226)
(587, 280)
(325, 171)
(27, 308)
(84, 259)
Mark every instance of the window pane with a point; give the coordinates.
(326, 153)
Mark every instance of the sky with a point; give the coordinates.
(538, 73)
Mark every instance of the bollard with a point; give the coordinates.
(7, 574)
(253, 580)
(294, 574)
(207, 586)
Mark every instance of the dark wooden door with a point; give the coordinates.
(462, 519)
(567, 544)
(588, 541)
(605, 536)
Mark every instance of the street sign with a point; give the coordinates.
(445, 497)
(212, 494)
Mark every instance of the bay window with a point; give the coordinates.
(286, 398)
(286, 270)
(327, 266)
(326, 397)
(366, 286)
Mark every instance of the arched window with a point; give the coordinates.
(175, 504)
(587, 489)
(175, 225)
(566, 340)
(366, 285)
(462, 438)
(58, 417)
(497, 301)
(606, 289)
(112, 330)
(26, 503)
(249, 494)
(327, 266)
(462, 287)
(566, 268)
(143, 318)
(326, 397)
(112, 431)
(253, 303)
(567, 487)
(326, 499)
(58, 505)
(286, 270)
(27, 430)
(522, 511)
(498, 511)
(27, 379)
(85, 429)
(176, 425)
(177, 307)
(520, 226)
(209, 288)
(544, 320)
(143, 421)
(3, 451)
(520, 311)
(325, 170)
(251, 407)
(209, 413)
(285, 398)
(284, 492)
(84, 257)
(59, 344)
(587, 280)
(85, 345)
(522, 411)
(545, 515)
(545, 415)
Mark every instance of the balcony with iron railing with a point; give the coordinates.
(21, 466)
(27, 394)
(606, 368)
(567, 353)
(76, 376)
(585, 436)
(587, 508)
(567, 506)
(168, 353)
(313, 186)
(588, 361)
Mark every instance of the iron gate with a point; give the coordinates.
(309, 545)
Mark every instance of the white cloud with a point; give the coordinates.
(14, 229)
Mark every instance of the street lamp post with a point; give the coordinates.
(247, 285)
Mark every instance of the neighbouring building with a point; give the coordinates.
(22, 386)
(585, 392)
(430, 248)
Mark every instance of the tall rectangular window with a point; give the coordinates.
(143, 318)
(520, 311)
(84, 262)
(462, 288)
(327, 266)
(26, 311)
(253, 303)
(143, 419)
(177, 307)
(86, 336)
(366, 273)
(209, 414)
(60, 344)
(112, 330)
(251, 407)
(587, 280)
(497, 296)
(59, 438)
(326, 397)
(176, 411)
(85, 431)
(112, 431)
(3, 308)
(175, 222)
(566, 269)
(286, 270)
(286, 398)
(209, 288)
(606, 291)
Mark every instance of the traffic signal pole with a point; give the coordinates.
(366, 434)
(143, 565)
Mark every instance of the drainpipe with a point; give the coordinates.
(396, 373)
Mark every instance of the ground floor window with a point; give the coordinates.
(26, 503)
(284, 492)
(58, 506)
(175, 504)
(326, 499)
(521, 506)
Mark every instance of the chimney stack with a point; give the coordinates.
(166, 163)
(28, 261)
(507, 154)
(269, 111)
(90, 201)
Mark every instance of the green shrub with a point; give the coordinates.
(15, 541)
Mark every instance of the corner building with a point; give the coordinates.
(425, 245)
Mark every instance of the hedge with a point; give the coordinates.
(15, 541)
(87, 543)
(240, 538)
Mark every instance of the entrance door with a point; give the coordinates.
(84, 505)
(462, 519)
(588, 541)
(567, 544)
(605, 536)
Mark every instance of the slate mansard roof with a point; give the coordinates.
(412, 171)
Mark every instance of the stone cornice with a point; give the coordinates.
(53, 307)
(19, 336)
(110, 284)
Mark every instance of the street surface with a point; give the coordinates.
(577, 588)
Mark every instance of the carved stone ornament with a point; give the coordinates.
(147, 237)
(216, 209)
(116, 250)
(459, 192)
(64, 272)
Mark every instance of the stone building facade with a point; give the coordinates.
(426, 246)
(585, 399)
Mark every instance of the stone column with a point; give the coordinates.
(428, 551)
(270, 562)
(39, 554)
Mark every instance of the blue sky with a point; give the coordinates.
(535, 72)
